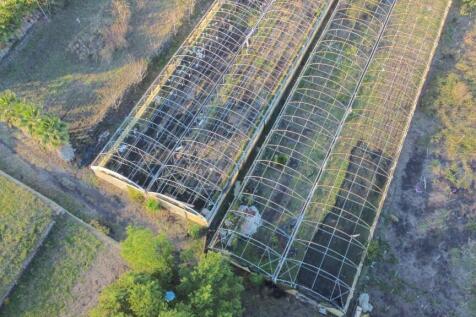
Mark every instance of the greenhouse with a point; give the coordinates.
(308, 206)
(188, 137)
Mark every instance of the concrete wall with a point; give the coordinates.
(174, 208)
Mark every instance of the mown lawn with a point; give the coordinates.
(46, 287)
(23, 219)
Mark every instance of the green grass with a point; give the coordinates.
(23, 219)
(45, 289)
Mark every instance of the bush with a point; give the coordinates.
(281, 159)
(256, 280)
(135, 195)
(133, 294)
(152, 206)
(147, 253)
(194, 231)
(46, 128)
(12, 13)
(376, 250)
(208, 288)
(211, 287)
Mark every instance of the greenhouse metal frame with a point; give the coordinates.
(189, 136)
(309, 204)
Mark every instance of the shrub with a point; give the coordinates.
(194, 231)
(135, 195)
(44, 127)
(145, 252)
(152, 206)
(256, 280)
(211, 287)
(208, 288)
(133, 294)
(376, 250)
(12, 13)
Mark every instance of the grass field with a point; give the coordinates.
(49, 287)
(23, 219)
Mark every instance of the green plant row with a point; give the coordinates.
(47, 128)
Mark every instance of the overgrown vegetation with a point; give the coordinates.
(23, 219)
(152, 206)
(135, 195)
(205, 286)
(376, 251)
(146, 253)
(194, 230)
(44, 127)
(452, 99)
(467, 6)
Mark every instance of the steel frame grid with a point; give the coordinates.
(209, 142)
(217, 38)
(325, 241)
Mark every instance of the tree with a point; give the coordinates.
(133, 294)
(145, 252)
(180, 311)
(211, 287)
(208, 288)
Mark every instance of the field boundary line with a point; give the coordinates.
(27, 261)
(61, 210)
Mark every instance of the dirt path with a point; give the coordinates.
(77, 189)
(65, 185)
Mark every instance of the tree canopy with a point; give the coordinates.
(211, 287)
(133, 294)
(145, 252)
(205, 288)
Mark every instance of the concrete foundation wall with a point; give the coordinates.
(174, 208)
